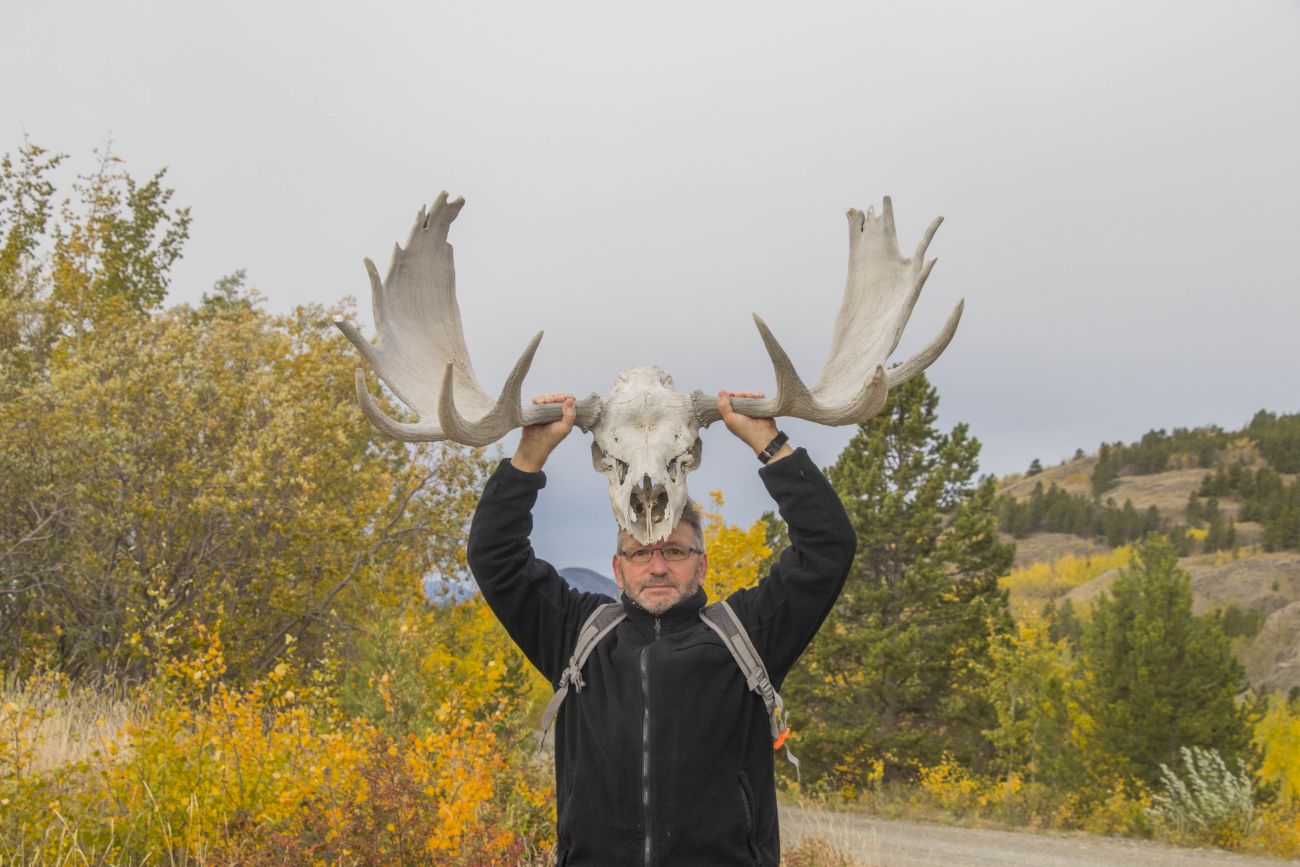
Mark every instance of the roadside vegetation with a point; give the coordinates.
(936, 691)
(217, 645)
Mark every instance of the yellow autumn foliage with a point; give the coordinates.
(1277, 737)
(1031, 586)
(211, 773)
(735, 553)
(227, 469)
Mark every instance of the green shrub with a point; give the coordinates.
(1210, 803)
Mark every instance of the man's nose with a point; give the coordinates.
(658, 562)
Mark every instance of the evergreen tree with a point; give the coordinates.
(890, 676)
(1106, 471)
(777, 538)
(1159, 677)
(1062, 623)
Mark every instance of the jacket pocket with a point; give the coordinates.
(751, 820)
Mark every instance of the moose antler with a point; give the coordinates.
(645, 432)
(881, 290)
(420, 350)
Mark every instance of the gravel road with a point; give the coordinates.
(891, 843)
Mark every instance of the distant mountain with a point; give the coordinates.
(589, 581)
(450, 593)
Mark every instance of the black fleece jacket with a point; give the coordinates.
(665, 757)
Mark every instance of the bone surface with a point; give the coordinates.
(645, 443)
(645, 432)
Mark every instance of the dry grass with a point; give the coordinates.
(1050, 547)
(814, 834)
(1073, 476)
(1247, 578)
(817, 852)
(1167, 491)
(63, 723)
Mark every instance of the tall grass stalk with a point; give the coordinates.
(62, 723)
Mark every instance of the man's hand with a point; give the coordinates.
(539, 440)
(754, 432)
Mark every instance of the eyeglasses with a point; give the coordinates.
(672, 553)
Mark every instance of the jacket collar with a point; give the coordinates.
(686, 610)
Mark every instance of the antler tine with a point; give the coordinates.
(791, 393)
(419, 432)
(510, 411)
(921, 268)
(419, 335)
(881, 290)
(425, 432)
(923, 359)
(507, 414)
(792, 396)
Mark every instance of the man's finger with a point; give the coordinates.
(554, 397)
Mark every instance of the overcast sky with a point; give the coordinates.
(1120, 184)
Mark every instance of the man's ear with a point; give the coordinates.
(618, 573)
(704, 570)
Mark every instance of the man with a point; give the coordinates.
(664, 757)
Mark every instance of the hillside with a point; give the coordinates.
(1230, 501)
(1264, 583)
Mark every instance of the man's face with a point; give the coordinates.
(660, 584)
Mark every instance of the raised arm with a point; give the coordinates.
(785, 610)
(534, 603)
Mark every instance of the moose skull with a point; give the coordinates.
(646, 440)
(646, 432)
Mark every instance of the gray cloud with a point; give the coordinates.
(1119, 181)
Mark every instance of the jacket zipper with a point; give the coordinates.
(645, 747)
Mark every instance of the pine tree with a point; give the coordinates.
(884, 679)
(1160, 677)
(1062, 623)
(1107, 469)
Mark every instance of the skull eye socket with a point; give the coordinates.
(676, 466)
(620, 467)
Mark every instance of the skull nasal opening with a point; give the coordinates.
(649, 500)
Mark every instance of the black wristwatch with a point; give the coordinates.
(773, 447)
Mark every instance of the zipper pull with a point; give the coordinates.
(657, 629)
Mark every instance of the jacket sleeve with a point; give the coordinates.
(785, 610)
(539, 610)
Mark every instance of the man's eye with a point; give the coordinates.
(675, 552)
(643, 553)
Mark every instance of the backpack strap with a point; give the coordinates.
(722, 619)
(598, 624)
